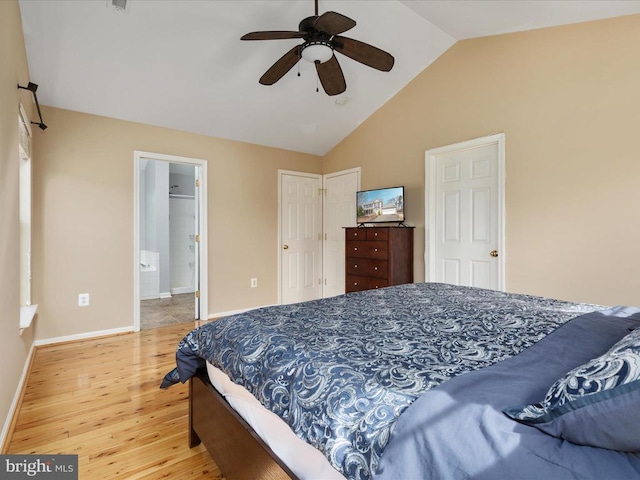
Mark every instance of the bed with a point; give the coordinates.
(418, 381)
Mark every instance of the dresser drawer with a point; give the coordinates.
(356, 233)
(368, 267)
(374, 233)
(366, 249)
(355, 283)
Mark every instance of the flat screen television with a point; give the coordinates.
(380, 205)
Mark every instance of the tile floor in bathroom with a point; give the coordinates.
(167, 311)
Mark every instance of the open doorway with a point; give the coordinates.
(169, 247)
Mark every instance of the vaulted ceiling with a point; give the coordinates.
(181, 64)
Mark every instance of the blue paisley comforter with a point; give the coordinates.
(341, 370)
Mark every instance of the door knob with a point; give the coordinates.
(493, 253)
(285, 247)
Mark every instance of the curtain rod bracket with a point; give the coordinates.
(32, 87)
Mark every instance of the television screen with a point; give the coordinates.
(381, 205)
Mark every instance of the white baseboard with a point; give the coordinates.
(165, 294)
(84, 336)
(16, 396)
(180, 290)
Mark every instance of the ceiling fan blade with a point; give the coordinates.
(363, 53)
(333, 23)
(282, 66)
(272, 35)
(331, 76)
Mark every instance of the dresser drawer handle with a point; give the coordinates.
(376, 286)
(375, 268)
(375, 234)
(355, 249)
(355, 266)
(355, 284)
(375, 249)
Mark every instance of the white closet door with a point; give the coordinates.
(339, 212)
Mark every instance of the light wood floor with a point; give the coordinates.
(100, 399)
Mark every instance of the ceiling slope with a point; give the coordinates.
(181, 64)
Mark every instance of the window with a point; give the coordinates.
(27, 310)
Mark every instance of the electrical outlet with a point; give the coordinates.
(254, 283)
(83, 300)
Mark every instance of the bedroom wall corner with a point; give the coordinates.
(15, 351)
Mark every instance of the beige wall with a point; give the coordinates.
(568, 101)
(14, 70)
(83, 199)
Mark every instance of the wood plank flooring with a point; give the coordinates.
(100, 399)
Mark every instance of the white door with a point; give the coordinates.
(465, 213)
(339, 212)
(300, 237)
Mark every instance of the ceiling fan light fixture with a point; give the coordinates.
(321, 37)
(317, 51)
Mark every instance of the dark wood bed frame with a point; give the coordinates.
(236, 448)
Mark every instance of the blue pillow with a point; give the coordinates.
(595, 404)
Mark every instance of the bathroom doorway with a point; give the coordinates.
(169, 244)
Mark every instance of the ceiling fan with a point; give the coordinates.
(321, 35)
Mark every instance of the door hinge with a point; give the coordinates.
(197, 238)
(321, 191)
(197, 293)
(325, 281)
(319, 281)
(197, 183)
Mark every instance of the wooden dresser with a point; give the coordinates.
(377, 257)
